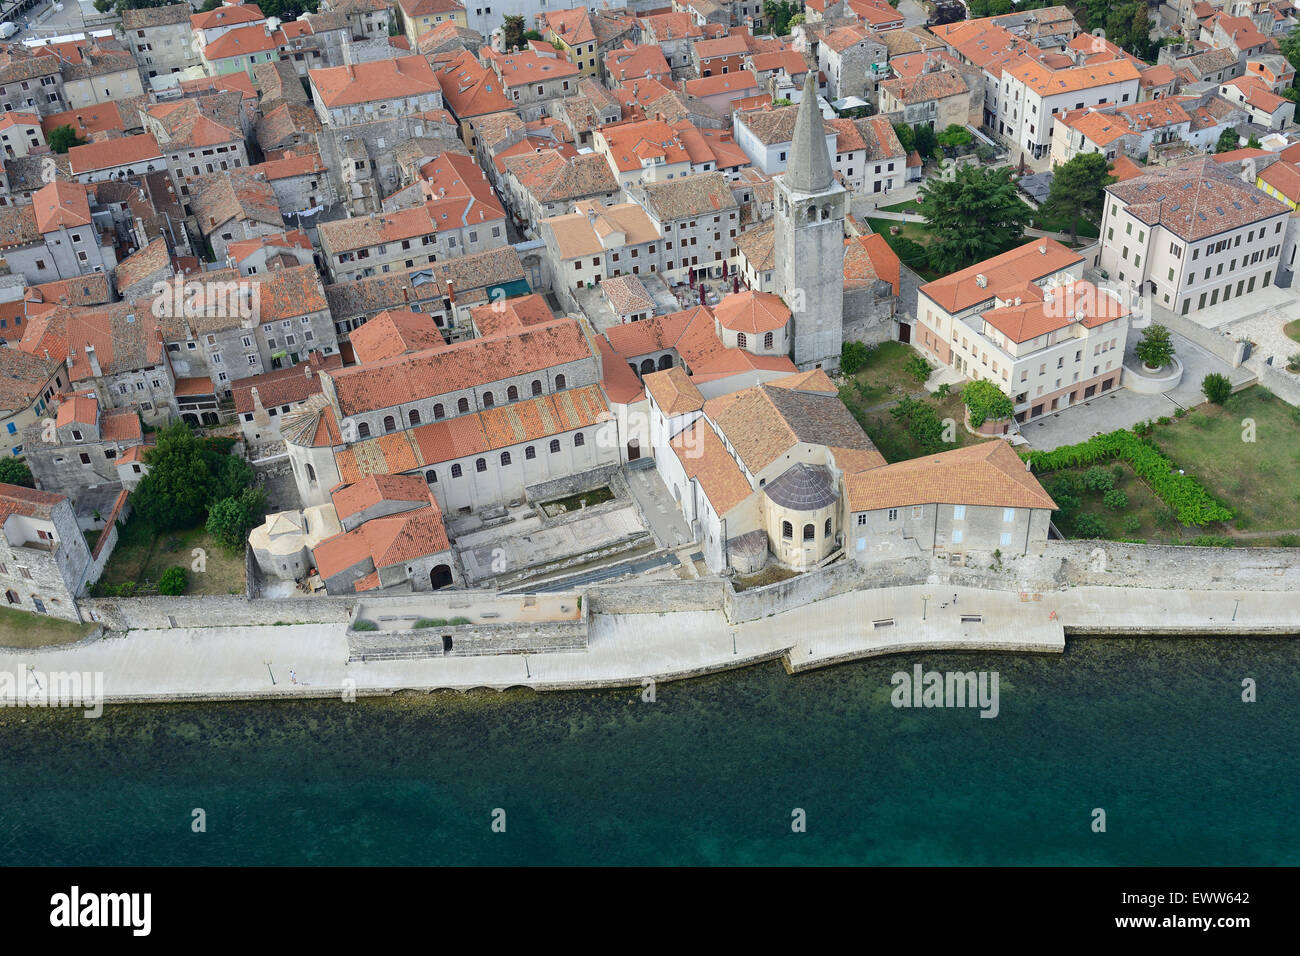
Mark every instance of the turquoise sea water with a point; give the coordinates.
(1152, 731)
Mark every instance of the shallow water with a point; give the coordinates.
(1153, 731)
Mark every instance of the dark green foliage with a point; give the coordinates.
(15, 472)
(985, 401)
(233, 517)
(911, 253)
(1216, 388)
(427, 622)
(63, 138)
(1228, 141)
(362, 624)
(175, 492)
(1097, 478)
(779, 13)
(853, 355)
(1115, 500)
(923, 424)
(918, 368)
(174, 581)
(1078, 190)
(1089, 526)
(512, 31)
(1155, 349)
(975, 216)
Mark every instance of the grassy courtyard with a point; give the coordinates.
(141, 556)
(1144, 518)
(1292, 330)
(1259, 479)
(916, 231)
(27, 630)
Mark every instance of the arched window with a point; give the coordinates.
(488, 400)
(559, 382)
(537, 386)
(480, 464)
(647, 366)
(787, 530)
(431, 477)
(579, 440)
(828, 527)
(462, 406)
(768, 340)
(413, 417)
(363, 429)
(741, 340)
(512, 394)
(455, 471)
(530, 453)
(555, 445)
(505, 458)
(665, 361)
(439, 411)
(809, 531)
(390, 425)
(311, 474)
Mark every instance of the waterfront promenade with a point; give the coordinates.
(311, 660)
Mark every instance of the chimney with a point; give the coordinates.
(982, 281)
(1042, 249)
(93, 360)
(451, 293)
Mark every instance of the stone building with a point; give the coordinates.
(160, 39)
(45, 562)
(88, 447)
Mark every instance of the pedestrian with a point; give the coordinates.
(293, 677)
(954, 599)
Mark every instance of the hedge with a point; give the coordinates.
(1191, 502)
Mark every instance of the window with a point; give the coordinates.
(537, 387)
(505, 458)
(390, 425)
(480, 464)
(828, 527)
(768, 340)
(862, 521)
(559, 382)
(957, 537)
(555, 445)
(1008, 514)
(512, 394)
(893, 514)
(958, 512)
(363, 430)
(787, 530)
(579, 440)
(414, 417)
(455, 471)
(530, 453)
(488, 400)
(431, 477)
(741, 340)
(462, 406)
(1004, 538)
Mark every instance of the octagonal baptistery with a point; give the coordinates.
(801, 510)
(757, 322)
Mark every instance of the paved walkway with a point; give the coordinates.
(257, 662)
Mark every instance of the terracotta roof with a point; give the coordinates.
(471, 89)
(238, 195)
(706, 459)
(673, 391)
(1285, 178)
(377, 80)
(961, 290)
(61, 205)
(503, 315)
(689, 196)
(1195, 200)
(988, 474)
(868, 259)
(284, 386)
(627, 294)
(78, 410)
(1050, 309)
(17, 500)
(88, 120)
(925, 87)
(371, 490)
(751, 312)
(392, 333)
(226, 15)
(467, 364)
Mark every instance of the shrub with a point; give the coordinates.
(1097, 478)
(364, 625)
(1156, 350)
(459, 620)
(1131, 524)
(424, 622)
(985, 401)
(918, 368)
(853, 355)
(1164, 420)
(1118, 473)
(1180, 413)
(1210, 541)
(911, 253)
(1216, 388)
(1089, 526)
(1115, 500)
(923, 425)
(1288, 541)
(15, 472)
(1193, 505)
(174, 581)
(943, 391)
(1293, 362)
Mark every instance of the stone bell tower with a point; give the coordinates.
(809, 241)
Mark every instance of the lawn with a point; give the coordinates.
(1292, 330)
(916, 231)
(1259, 479)
(142, 556)
(883, 378)
(28, 630)
(891, 438)
(910, 205)
(1087, 230)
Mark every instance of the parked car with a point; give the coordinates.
(8, 29)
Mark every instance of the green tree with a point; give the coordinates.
(15, 472)
(1156, 349)
(175, 492)
(1254, 143)
(923, 425)
(1097, 478)
(512, 31)
(906, 136)
(1115, 500)
(779, 13)
(911, 253)
(985, 401)
(927, 144)
(1228, 141)
(972, 217)
(853, 355)
(1216, 388)
(231, 519)
(918, 368)
(1078, 190)
(954, 137)
(1089, 526)
(174, 581)
(797, 19)
(63, 138)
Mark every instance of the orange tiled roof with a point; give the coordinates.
(988, 474)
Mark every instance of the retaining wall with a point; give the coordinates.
(1280, 382)
(1218, 344)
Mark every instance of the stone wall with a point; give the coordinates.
(1116, 564)
(120, 614)
(657, 596)
(1281, 383)
(1218, 344)
(469, 640)
(567, 485)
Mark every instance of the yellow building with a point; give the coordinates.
(421, 16)
(572, 32)
(27, 384)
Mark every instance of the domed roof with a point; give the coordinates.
(803, 488)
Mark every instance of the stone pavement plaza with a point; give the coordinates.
(254, 662)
